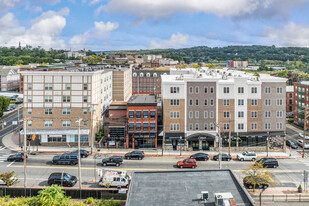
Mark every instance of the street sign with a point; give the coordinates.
(14, 123)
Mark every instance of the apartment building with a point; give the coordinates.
(122, 83)
(289, 101)
(237, 64)
(301, 102)
(199, 103)
(55, 100)
(147, 81)
(9, 79)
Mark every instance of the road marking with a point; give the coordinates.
(6, 127)
(10, 164)
(2, 148)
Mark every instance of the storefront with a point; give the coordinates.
(172, 140)
(201, 141)
(142, 140)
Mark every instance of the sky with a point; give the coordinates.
(103, 25)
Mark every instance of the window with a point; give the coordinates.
(279, 125)
(66, 123)
(240, 114)
(85, 123)
(205, 114)
(226, 102)
(205, 102)
(190, 102)
(205, 90)
(211, 90)
(29, 111)
(85, 111)
(241, 126)
(174, 90)
(29, 98)
(152, 114)
(174, 102)
(196, 126)
(267, 125)
(85, 99)
(267, 102)
(211, 114)
(174, 127)
(48, 87)
(138, 114)
(48, 111)
(145, 114)
(68, 86)
(138, 126)
(279, 113)
(226, 114)
(279, 102)
(191, 115)
(196, 90)
(85, 86)
(254, 114)
(66, 98)
(29, 123)
(240, 90)
(174, 115)
(267, 90)
(131, 126)
(211, 102)
(48, 123)
(145, 126)
(191, 90)
(29, 86)
(197, 115)
(240, 102)
(267, 114)
(253, 126)
(66, 111)
(279, 90)
(48, 99)
(152, 126)
(253, 102)
(226, 126)
(196, 102)
(226, 90)
(253, 90)
(190, 127)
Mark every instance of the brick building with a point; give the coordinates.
(142, 122)
(289, 101)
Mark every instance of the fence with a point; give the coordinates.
(283, 198)
(71, 192)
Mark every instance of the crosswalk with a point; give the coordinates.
(3, 156)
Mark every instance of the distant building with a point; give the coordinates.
(289, 101)
(301, 102)
(122, 84)
(237, 64)
(9, 79)
(75, 54)
(142, 122)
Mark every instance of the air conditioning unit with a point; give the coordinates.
(203, 197)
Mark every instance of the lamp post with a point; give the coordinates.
(79, 159)
(180, 138)
(305, 128)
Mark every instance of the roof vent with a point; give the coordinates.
(203, 197)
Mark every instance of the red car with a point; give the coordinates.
(191, 163)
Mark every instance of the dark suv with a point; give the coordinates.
(63, 179)
(113, 160)
(200, 157)
(18, 157)
(83, 153)
(66, 159)
(134, 155)
(269, 162)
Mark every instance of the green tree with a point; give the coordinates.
(283, 73)
(4, 103)
(9, 178)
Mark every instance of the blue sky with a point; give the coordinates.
(145, 24)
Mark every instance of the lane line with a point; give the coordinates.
(9, 165)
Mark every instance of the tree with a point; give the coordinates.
(283, 73)
(9, 178)
(4, 103)
(257, 175)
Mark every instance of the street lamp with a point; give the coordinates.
(180, 138)
(79, 158)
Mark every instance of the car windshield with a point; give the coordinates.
(67, 176)
(185, 160)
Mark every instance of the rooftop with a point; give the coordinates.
(182, 187)
(305, 82)
(289, 88)
(149, 99)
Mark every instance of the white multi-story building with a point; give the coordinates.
(245, 105)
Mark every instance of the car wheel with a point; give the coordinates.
(253, 159)
(139, 158)
(72, 163)
(126, 158)
(242, 159)
(275, 166)
(265, 186)
(229, 159)
(117, 164)
(181, 166)
(250, 186)
(193, 166)
(129, 158)
(104, 164)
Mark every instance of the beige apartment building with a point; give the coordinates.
(122, 84)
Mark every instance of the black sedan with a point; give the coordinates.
(134, 155)
(291, 144)
(83, 153)
(225, 157)
(18, 157)
(200, 157)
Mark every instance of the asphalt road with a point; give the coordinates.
(8, 127)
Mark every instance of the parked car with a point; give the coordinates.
(66, 159)
(18, 157)
(248, 156)
(113, 160)
(134, 155)
(291, 144)
(269, 162)
(225, 157)
(300, 143)
(200, 157)
(115, 179)
(250, 186)
(19, 102)
(302, 135)
(63, 179)
(83, 153)
(189, 163)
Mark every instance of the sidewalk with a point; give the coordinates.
(11, 142)
(291, 126)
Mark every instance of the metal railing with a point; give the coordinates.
(283, 197)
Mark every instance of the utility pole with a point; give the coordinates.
(304, 136)
(230, 136)
(79, 158)
(220, 144)
(237, 144)
(25, 153)
(267, 143)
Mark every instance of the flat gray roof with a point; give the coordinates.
(182, 187)
(142, 99)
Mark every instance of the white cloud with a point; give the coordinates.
(290, 35)
(155, 9)
(93, 2)
(51, 2)
(9, 4)
(45, 31)
(176, 41)
(100, 31)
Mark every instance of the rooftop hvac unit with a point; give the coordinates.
(203, 197)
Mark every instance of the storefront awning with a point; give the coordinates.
(55, 131)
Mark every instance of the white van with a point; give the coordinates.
(115, 179)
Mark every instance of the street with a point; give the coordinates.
(6, 124)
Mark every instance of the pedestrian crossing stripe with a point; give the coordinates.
(2, 148)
